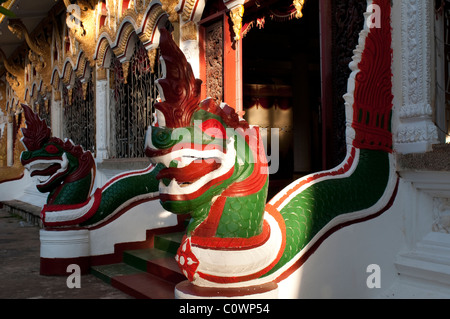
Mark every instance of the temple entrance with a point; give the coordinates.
(282, 85)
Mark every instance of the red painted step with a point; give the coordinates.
(144, 286)
(150, 273)
(156, 262)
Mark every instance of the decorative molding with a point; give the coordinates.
(169, 6)
(441, 215)
(189, 31)
(416, 131)
(85, 32)
(427, 258)
(190, 10)
(39, 53)
(236, 15)
(298, 4)
(151, 22)
(143, 25)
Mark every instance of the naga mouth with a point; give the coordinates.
(189, 172)
(46, 171)
(50, 170)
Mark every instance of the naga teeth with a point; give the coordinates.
(43, 180)
(185, 161)
(184, 157)
(173, 187)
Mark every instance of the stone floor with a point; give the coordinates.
(19, 268)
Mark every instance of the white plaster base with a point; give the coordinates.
(64, 244)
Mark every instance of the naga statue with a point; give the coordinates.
(210, 163)
(67, 173)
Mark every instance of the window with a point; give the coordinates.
(134, 95)
(79, 113)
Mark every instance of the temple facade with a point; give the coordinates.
(89, 68)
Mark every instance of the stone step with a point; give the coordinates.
(144, 286)
(29, 212)
(154, 261)
(150, 273)
(169, 242)
(134, 282)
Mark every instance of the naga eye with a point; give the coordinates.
(213, 128)
(52, 149)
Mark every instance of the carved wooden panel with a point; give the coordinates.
(214, 60)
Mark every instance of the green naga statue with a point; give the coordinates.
(210, 163)
(67, 173)
(215, 168)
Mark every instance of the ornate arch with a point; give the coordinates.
(103, 50)
(122, 46)
(144, 26)
(153, 17)
(67, 75)
(82, 66)
(190, 10)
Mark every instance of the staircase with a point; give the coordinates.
(146, 273)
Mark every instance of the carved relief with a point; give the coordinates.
(169, 6)
(187, 9)
(298, 4)
(441, 215)
(236, 15)
(39, 54)
(151, 22)
(416, 126)
(14, 77)
(84, 33)
(214, 61)
(141, 23)
(125, 33)
(189, 31)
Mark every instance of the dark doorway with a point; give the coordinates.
(282, 85)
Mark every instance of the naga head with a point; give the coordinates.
(206, 149)
(55, 164)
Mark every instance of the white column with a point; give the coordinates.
(57, 114)
(10, 141)
(101, 106)
(416, 131)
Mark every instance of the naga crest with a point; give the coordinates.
(56, 165)
(215, 166)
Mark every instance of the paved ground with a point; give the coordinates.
(19, 268)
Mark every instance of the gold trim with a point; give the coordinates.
(298, 4)
(236, 15)
(153, 17)
(189, 31)
(125, 34)
(187, 9)
(169, 7)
